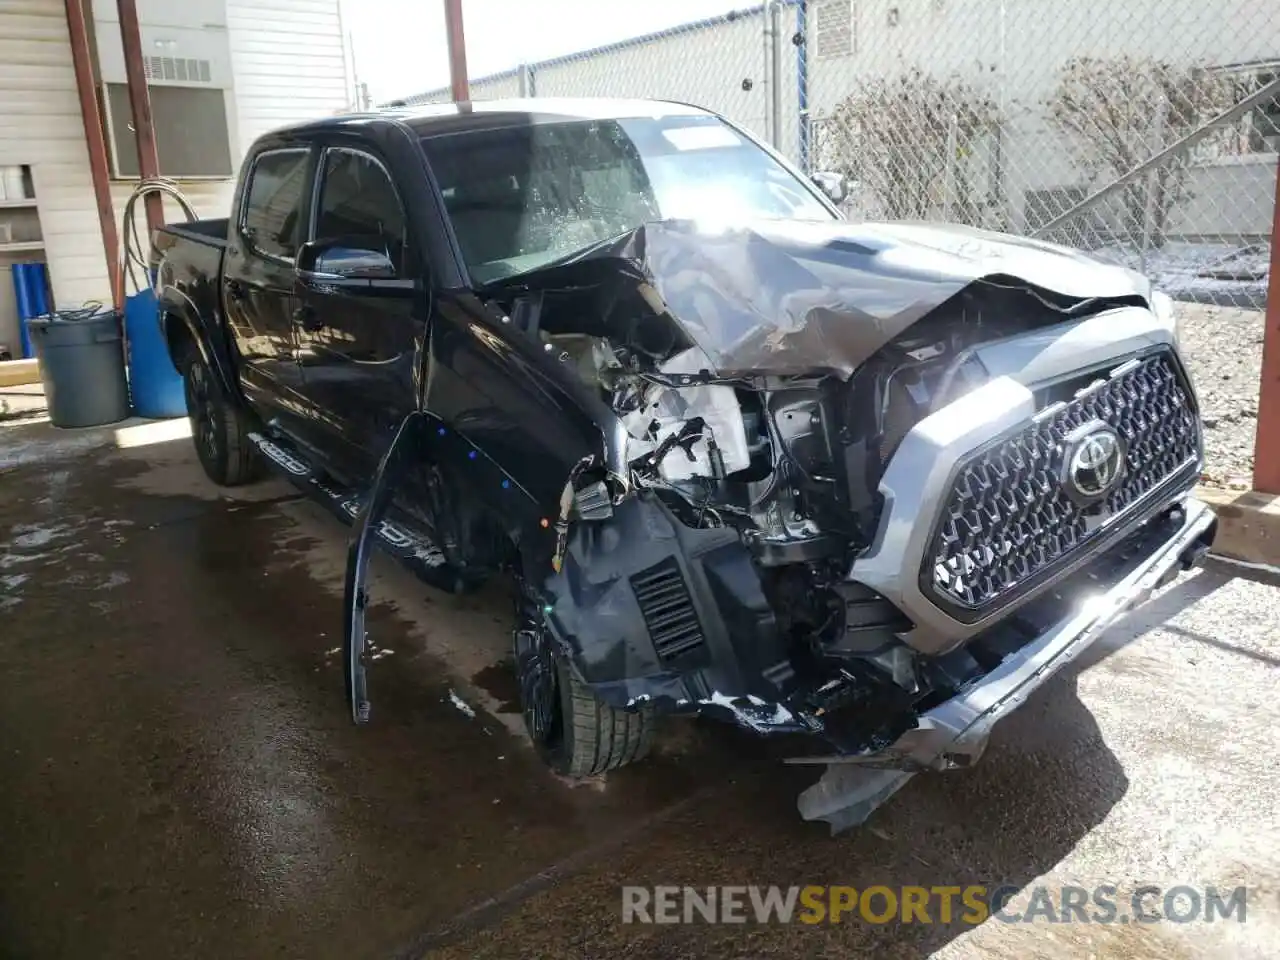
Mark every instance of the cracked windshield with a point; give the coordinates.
(523, 197)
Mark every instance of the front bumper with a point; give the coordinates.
(955, 733)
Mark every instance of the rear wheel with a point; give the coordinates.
(219, 428)
(574, 732)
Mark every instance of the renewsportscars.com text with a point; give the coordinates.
(973, 904)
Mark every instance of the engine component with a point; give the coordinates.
(667, 409)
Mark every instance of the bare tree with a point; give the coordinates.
(1119, 111)
(908, 140)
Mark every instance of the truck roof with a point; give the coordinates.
(434, 119)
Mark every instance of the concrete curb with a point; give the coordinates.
(1248, 524)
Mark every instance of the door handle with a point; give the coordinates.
(306, 317)
(235, 289)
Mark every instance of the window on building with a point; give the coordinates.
(359, 207)
(274, 206)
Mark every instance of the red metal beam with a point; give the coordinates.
(140, 106)
(95, 139)
(457, 51)
(1266, 444)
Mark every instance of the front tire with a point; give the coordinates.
(576, 734)
(219, 428)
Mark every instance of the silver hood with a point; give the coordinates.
(799, 297)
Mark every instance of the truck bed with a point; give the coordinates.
(209, 232)
(189, 284)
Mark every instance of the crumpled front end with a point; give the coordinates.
(873, 485)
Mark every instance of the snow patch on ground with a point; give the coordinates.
(115, 579)
(9, 583)
(30, 536)
(462, 705)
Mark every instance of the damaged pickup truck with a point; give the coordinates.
(867, 484)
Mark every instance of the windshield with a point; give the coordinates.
(522, 197)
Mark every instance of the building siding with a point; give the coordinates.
(288, 61)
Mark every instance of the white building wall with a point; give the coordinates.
(289, 64)
(720, 65)
(706, 66)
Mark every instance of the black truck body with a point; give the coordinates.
(740, 457)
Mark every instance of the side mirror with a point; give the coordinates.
(830, 183)
(343, 260)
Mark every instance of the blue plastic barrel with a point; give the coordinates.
(155, 387)
(30, 288)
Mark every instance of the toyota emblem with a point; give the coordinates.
(1094, 463)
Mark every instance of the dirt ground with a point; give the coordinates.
(180, 776)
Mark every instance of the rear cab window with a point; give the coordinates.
(270, 220)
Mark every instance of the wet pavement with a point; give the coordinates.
(180, 776)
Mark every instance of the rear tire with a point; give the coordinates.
(220, 429)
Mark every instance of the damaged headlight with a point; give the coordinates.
(1162, 307)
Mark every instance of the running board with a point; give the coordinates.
(411, 547)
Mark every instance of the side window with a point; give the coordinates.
(273, 203)
(359, 207)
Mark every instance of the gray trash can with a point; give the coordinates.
(81, 356)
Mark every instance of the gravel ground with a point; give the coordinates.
(1223, 348)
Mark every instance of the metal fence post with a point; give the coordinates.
(525, 76)
(805, 131)
(457, 43)
(1266, 444)
(774, 14)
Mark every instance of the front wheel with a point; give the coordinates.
(219, 428)
(574, 732)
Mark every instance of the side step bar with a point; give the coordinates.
(411, 547)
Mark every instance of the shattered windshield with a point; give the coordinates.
(522, 197)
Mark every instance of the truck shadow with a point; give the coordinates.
(1047, 781)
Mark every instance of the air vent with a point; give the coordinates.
(181, 69)
(668, 610)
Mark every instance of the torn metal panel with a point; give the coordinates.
(795, 297)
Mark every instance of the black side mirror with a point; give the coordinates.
(343, 260)
(830, 183)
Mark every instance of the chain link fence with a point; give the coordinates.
(1142, 131)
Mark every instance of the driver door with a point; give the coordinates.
(358, 338)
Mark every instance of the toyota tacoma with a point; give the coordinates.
(868, 484)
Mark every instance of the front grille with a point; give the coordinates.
(1008, 521)
(667, 610)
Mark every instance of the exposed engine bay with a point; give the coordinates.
(702, 560)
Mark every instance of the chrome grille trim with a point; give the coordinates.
(1007, 520)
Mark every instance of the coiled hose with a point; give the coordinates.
(132, 257)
